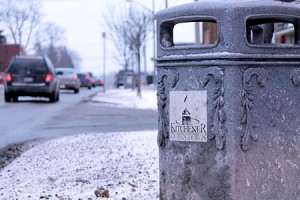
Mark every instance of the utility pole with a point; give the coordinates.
(154, 41)
(197, 31)
(104, 61)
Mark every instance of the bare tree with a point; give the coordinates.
(129, 33)
(52, 53)
(21, 17)
(47, 37)
(117, 34)
(65, 60)
(76, 59)
(50, 33)
(139, 27)
(60, 56)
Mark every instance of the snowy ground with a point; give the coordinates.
(128, 98)
(74, 167)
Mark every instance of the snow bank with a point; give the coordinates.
(73, 167)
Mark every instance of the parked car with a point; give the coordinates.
(124, 78)
(85, 80)
(99, 81)
(93, 79)
(31, 76)
(68, 79)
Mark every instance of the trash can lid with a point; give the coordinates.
(213, 7)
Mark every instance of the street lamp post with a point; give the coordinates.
(198, 31)
(154, 41)
(104, 61)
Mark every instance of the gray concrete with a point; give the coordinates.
(253, 106)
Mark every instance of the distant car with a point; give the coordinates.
(85, 80)
(124, 78)
(93, 79)
(68, 79)
(99, 81)
(31, 76)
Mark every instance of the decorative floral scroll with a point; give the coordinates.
(166, 79)
(217, 116)
(295, 76)
(247, 102)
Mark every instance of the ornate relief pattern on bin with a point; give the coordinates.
(295, 76)
(166, 80)
(248, 103)
(217, 117)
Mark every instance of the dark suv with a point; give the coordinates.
(31, 76)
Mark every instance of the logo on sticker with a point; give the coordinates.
(188, 116)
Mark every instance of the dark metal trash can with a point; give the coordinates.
(229, 110)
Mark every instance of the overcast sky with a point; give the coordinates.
(83, 23)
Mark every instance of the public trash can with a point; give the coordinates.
(229, 101)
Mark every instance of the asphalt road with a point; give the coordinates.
(36, 118)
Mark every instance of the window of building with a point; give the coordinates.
(278, 32)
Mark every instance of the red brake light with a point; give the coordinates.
(49, 78)
(102, 82)
(87, 77)
(75, 77)
(8, 77)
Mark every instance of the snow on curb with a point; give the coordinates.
(73, 167)
(128, 98)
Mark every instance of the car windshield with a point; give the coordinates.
(34, 65)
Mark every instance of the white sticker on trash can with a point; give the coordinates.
(188, 116)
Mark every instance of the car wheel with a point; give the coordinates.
(57, 97)
(7, 97)
(76, 91)
(15, 98)
(89, 87)
(53, 97)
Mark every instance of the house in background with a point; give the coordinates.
(7, 52)
(284, 33)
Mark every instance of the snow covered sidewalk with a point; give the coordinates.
(124, 164)
(128, 98)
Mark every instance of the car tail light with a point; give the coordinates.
(87, 77)
(102, 82)
(75, 78)
(93, 81)
(8, 77)
(49, 78)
